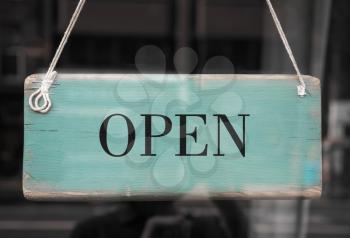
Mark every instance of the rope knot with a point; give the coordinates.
(42, 94)
(301, 88)
(47, 82)
(301, 91)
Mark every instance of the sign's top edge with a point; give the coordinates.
(107, 76)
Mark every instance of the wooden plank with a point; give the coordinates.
(64, 156)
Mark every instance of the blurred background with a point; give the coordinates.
(107, 37)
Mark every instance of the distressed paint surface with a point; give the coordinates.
(63, 157)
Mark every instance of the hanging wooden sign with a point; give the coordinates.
(119, 136)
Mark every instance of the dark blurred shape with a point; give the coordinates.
(337, 144)
(163, 220)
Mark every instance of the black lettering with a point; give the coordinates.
(148, 131)
(239, 143)
(103, 135)
(193, 134)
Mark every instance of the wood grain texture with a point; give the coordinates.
(64, 160)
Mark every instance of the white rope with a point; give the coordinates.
(301, 88)
(42, 94)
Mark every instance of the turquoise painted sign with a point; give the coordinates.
(156, 136)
